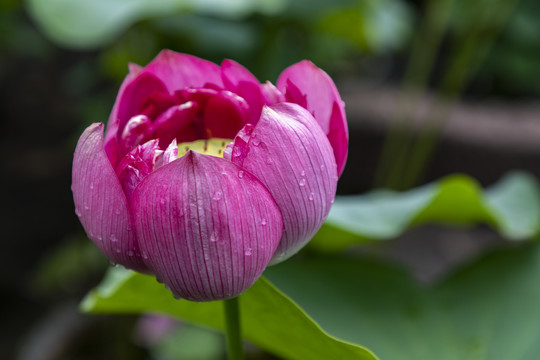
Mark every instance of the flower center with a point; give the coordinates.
(212, 146)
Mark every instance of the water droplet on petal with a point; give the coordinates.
(322, 167)
(263, 222)
(217, 196)
(237, 151)
(241, 174)
(78, 212)
(332, 201)
(248, 252)
(303, 173)
(114, 238)
(162, 201)
(91, 186)
(302, 182)
(117, 250)
(213, 237)
(130, 253)
(100, 238)
(145, 256)
(255, 141)
(117, 211)
(311, 196)
(269, 161)
(86, 207)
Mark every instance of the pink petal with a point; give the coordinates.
(100, 202)
(225, 114)
(241, 81)
(207, 227)
(322, 100)
(271, 94)
(135, 89)
(169, 155)
(292, 157)
(233, 73)
(178, 71)
(137, 130)
(177, 122)
(136, 165)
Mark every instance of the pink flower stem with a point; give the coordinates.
(233, 330)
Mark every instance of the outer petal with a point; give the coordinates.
(100, 202)
(208, 228)
(291, 155)
(322, 100)
(180, 71)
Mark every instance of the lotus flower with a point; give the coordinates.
(205, 176)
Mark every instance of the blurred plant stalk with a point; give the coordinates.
(405, 155)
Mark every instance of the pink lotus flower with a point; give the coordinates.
(205, 176)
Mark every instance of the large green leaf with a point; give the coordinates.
(89, 24)
(486, 311)
(269, 318)
(512, 207)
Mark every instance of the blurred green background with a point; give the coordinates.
(61, 62)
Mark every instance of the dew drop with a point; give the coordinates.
(217, 195)
(302, 182)
(263, 222)
(117, 211)
(100, 238)
(145, 256)
(117, 250)
(114, 238)
(223, 172)
(311, 196)
(130, 253)
(213, 237)
(86, 207)
(78, 212)
(255, 141)
(248, 252)
(91, 186)
(332, 201)
(237, 151)
(241, 174)
(269, 161)
(162, 201)
(303, 173)
(322, 167)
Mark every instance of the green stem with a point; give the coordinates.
(233, 331)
